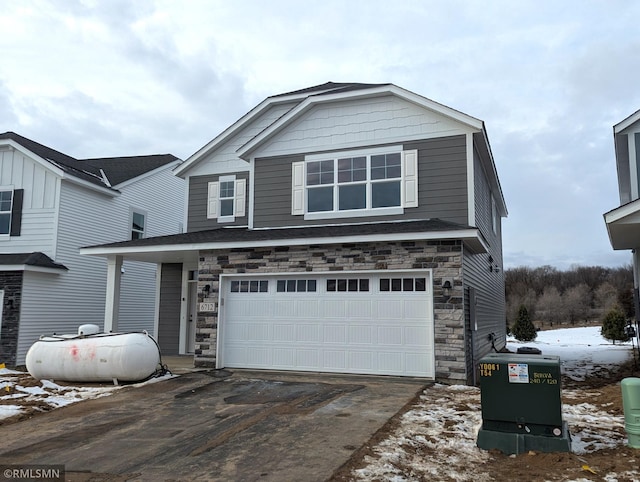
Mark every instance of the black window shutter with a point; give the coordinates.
(16, 212)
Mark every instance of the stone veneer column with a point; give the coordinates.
(444, 258)
(11, 283)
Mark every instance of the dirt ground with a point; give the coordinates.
(604, 390)
(533, 467)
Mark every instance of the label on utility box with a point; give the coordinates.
(518, 373)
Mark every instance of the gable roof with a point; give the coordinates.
(302, 100)
(103, 172)
(348, 92)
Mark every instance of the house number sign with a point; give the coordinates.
(207, 307)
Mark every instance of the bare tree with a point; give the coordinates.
(549, 307)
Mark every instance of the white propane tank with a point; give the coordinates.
(102, 357)
(88, 329)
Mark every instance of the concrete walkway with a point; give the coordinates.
(213, 425)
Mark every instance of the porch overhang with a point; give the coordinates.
(186, 247)
(623, 226)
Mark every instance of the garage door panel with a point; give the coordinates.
(258, 332)
(308, 333)
(361, 335)
(390, 309)
(335, 334)
(359, 308)
(284, 358)
(391, 335)
(334, 309)
(362, 361)
(284, 332)
(329, 328)
(417, 336)
(284, 309)
(307, 358)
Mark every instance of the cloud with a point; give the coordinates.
(94, 78)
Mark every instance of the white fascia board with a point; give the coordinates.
(111, 192)
(629, 121)
(313, 100)
(27, 267)
(494, 180)
(466, 235)
(39, 160)
(169, 165)
(232, 130)
(622, 212)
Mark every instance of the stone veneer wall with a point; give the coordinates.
(443, 257)
(11, 283)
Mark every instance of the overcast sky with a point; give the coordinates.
(549, 79)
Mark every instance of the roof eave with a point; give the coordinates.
(471, 237)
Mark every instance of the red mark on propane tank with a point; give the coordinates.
(75, 352)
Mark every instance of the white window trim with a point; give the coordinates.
(133, 210)
(12, 189)
(408, 184)
(494, 215)
(214, 199)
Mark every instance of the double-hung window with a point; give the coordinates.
(138, 222)
(6, 202)
(10, 211)
(360, 183)
(226, 199)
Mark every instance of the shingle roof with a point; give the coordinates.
(330, 88)
(233, 234)
(120, 169)
(37, 258)
(117, 169)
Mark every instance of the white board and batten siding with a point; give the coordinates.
(359, 331)
(39, 214)
(62, 302)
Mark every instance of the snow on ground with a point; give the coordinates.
(445, 422)
(447, 419)
(18, 394)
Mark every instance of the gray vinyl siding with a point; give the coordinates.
(169, 315)
(198, 198)
(442, 187)
(487, 285)
(622, 161)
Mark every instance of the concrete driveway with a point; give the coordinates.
(215, 425)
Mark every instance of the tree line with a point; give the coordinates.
(582, 294)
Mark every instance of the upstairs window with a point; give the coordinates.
(378, 182)
(138, 221)
(10, 211)
(226, 199)
(6, 202)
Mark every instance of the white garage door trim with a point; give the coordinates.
(361, 322)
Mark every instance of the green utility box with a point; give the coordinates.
(522, 404)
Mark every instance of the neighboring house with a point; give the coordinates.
(348, 228)
(52, 204)
(623, 223)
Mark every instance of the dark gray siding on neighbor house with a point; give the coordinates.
(442, 186)
(169, 315)
(483, 286)
(198, 197)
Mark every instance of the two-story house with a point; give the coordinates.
(347, 228)
(623, 223)
(51, 204)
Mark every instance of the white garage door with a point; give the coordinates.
(367, 323)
